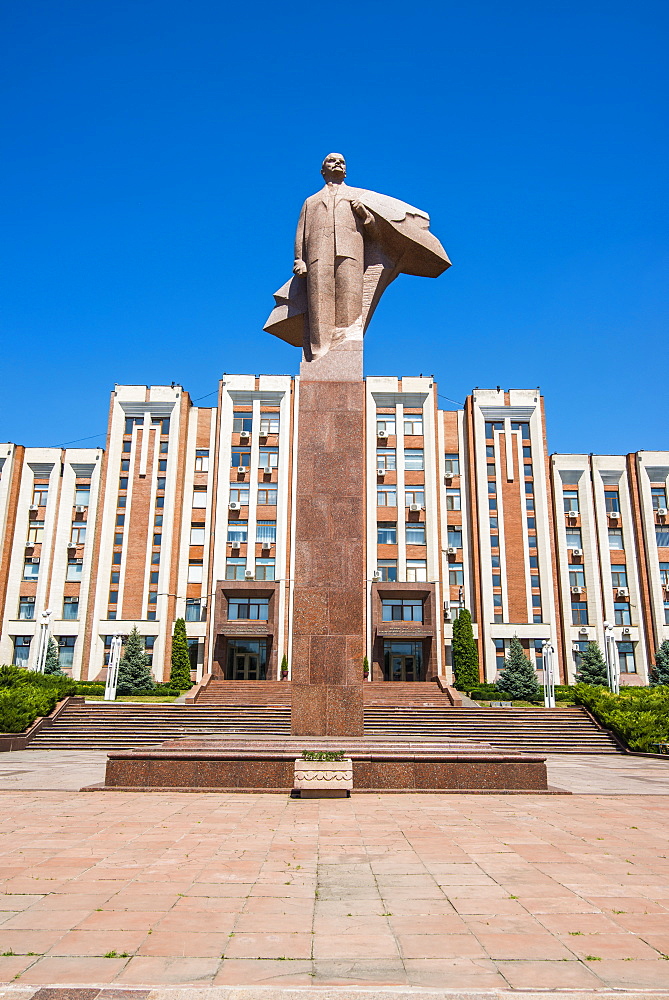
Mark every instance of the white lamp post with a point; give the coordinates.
(39, 662)
(112, 668)
(611, 656)
(548, 654)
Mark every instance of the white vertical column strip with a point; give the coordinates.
(401, 499)
(500, 521)
(432, 435)
(509, 453)
(282, 526)
(293, 518)
(253, 489)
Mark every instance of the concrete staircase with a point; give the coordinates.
(404, 695)
(558, 730)
(245, 693)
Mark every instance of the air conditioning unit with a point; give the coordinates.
(235, 545)
(627, 631)
(614, 514)
(30, 545)
(267, 471)
(233, 505)
(414, 507)
(622, 592)
(583, 631)
(266, 545)
(71, 545)
(577, 552)
(248, 575)
(78, 561)
(376, 575)
(35, 559)
(33, 506)
(382, 435)
(244, 434)
(380, 472)
(577, 590)
(80, 510)
(241, 469)
(572, 513)
(661, 511)
(451, 550)
(448, 476)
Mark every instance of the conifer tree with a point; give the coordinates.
(52, 663)
(593, 667)
(180, 672)
(134, 675)
(284, 665)
(518, 678)
(661, 671)
(465, 653)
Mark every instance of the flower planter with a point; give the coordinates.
(323, 779)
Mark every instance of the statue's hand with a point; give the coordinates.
(299, 268)
(362, 212)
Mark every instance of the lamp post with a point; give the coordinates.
(611, 656)
(42, 643)
(548, 655)
(112, 668)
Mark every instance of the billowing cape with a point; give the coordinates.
(401, 244)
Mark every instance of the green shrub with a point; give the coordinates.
(564, 692)
(92, 688)
(638, 715)
(24, 695)
(465, 653)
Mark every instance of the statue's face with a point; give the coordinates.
(334, 167)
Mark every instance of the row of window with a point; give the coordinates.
(27, 609)
(577, 575)
(82, 496)
(242, 423)
(36, 533)
(266, 457)
(235, 569)
(72, 573)
(386, 459)
(413, 425)
(238, 532)
(621, 613)
(612, 500)
(386, 533)
(266, 496)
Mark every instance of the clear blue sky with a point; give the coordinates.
(156, 155)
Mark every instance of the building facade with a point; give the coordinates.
(188, 513)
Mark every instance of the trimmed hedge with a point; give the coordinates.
(25, 695)
(639, 716)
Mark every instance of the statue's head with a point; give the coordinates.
(334, 167)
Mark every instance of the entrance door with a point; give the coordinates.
(403, 661)
(404, 668)
(246, 667)
(247, 660)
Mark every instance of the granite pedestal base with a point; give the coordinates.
(378, 764)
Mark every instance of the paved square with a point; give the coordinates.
(471, 892)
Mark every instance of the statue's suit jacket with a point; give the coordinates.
(328, 227)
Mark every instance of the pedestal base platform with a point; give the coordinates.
(401, 764)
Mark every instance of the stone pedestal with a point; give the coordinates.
(329, 597)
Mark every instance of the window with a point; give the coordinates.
(386, 424)
(386, 496)
(664, 573)
(40, 495)
(155, 558)
(267, 497)
(269, 425)
(414, 460)
(241, 421)
(162, 465)
(621, 611)
(160, 483)
(492, 488)
(579, 613)
(113, 597)
(21, 650)
(491, 426)
(264, 569)
(121, 501)
(149, 643)
(536, 600)
(200, 497)
(534, 582)
(196, 535)
(115, 577)
(416, 570)
(497, 579)
(534, 562)
(163, 423)
(26, 608)
(164, 446)
(82, 496)
(157, 539)
(576, 575)
(116, 558)
(529, 503)
(574, 540)
(158, 520)
(268, 458)
(658, 493)
(66, 651)
(612, 501)
(527, 470)
(386, 533)
(385, 459)
(570, 500)
(529, 487)
(619, 576)
(202, 460)
(70, 608)
(248, 609)
(78, 535)
(452, 499)
(127, 447)
(491, 470)
(489, 451)
(666, 612)
(492, 503)
(452, 464)
(616, 538)
(30, 569)
(539, 653)
(193, 609)
(578, 648)
(499, 653)
(626, 657)
(74, 571)
(456, 577)
(387, 569)
(402, 610)
(35, 532)
(523, 428)
(123, 483)
(238, 531)
(194, 571)
(413, 424)
(494, 541)
(240, 456)
(120, 520)
(239, 494)
(662, 536)
(414, 494)
(130, 423)
(497, 600)
(266, 532)
(125, 465)
(415, 533)
(455, 535)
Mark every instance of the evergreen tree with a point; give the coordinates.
(661, 671)
(180, 673)
(134, 675)
(518, 678)
(465, 653)
(284, 665)
(593, 667)
(52, 664)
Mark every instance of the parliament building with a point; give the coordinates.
(189, 513)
